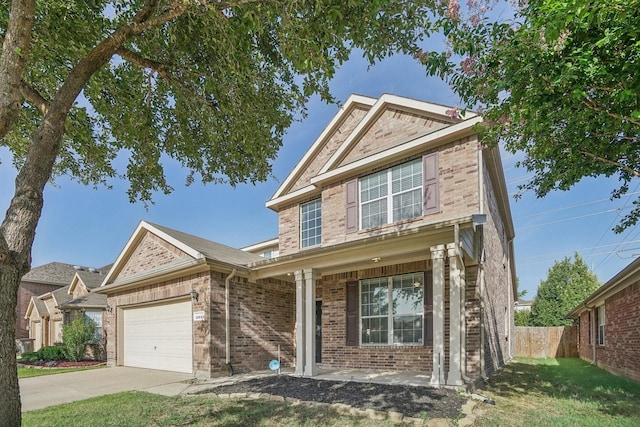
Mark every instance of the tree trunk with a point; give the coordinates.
(10, 406)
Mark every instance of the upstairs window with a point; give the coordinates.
(405, 191)
(311, 223)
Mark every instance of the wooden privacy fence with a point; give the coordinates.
(547, 342)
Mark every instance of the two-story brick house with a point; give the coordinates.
(394, 252)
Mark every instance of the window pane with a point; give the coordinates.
(374, 214)
(408, 293)
(407, 330)
(407, 205)
(311, 223)
(375, 330)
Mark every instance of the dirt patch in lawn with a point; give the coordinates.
(62, 364)
(411, 401)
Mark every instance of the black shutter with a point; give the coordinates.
(428, 308)
(352, 313)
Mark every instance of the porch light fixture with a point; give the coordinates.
(376, 259)
(417, 284)
(194, 294)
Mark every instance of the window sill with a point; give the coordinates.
(392, 226)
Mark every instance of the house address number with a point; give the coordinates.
(198, 316)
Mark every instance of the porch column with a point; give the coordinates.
(310, 277)
(437, 259)
(300, 326)
(456, 317)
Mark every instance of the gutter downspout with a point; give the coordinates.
(227, 320)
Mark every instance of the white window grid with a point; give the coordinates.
(311, 223)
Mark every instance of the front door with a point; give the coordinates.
(318, 331)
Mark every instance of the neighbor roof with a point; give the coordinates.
(54, 273)
(91, 300)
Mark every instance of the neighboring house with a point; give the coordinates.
(39, 281)
(609, 322)
(47, 313)
(395, 251)
(522, 305)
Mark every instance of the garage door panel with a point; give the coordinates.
(159, 337)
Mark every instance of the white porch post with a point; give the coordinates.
(310, 277)
(456, 316)
(437, 258)
(300, 320)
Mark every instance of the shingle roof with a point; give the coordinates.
(212, 250)
(89, 300)
(93, 279)
(40, 306)
(62, 295)
(55, 273)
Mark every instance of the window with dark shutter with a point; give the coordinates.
(428, 308)
(352, 313)
(352, 205)
(431, 195)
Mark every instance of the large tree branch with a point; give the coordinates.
(30, 94)
(15, 50)
(590, 104)
(611, 162)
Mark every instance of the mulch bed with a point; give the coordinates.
(409, 400)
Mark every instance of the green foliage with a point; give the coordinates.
(568, 283)
(76, 336)
(211, 90)
(522, 318)
(559, 82)
(55, 352)
(29, 357)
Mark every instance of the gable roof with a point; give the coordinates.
(91, 278)
(333, 169)
(197, 248)
(625, 278)
(90, 300)
(36, 304)
(54, 273)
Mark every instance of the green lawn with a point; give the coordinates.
(560, 392)
(135, 408)
(36, 372)
(527, 392)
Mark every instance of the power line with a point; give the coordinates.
(567, 208)
(578, 250)
(568, 219)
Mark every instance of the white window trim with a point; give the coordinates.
(601, 326)
(390, 314)
(302, 246)
(389, 196)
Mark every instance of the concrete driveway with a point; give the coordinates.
(49, 390)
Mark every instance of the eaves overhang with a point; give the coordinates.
(410, 147)
(171, 271)
(388, 248)
(626, 277)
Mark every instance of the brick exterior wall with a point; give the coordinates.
(621, 353)
(331, 290)
(458, 164)
(151, 251)
(497, 301)
(25, 292)
(262, 316)
(392, 128)
(343, 130)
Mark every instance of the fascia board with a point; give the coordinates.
(275, 203)
(260, 245)
(135, 238)
(381, 105)
(437, 137)
(348, 105)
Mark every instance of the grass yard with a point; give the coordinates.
(560, 392)
(144, 409)
(36, 372)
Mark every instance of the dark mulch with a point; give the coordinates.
(61, 364)
(410, 401)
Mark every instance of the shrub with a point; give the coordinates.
(29, 357)
(54, 352)
(76, 336)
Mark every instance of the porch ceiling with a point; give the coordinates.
(401, 246)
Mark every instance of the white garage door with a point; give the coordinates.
(159, 337)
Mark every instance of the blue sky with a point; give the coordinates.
(89, 227)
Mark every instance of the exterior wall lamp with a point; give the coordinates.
(194, 294)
